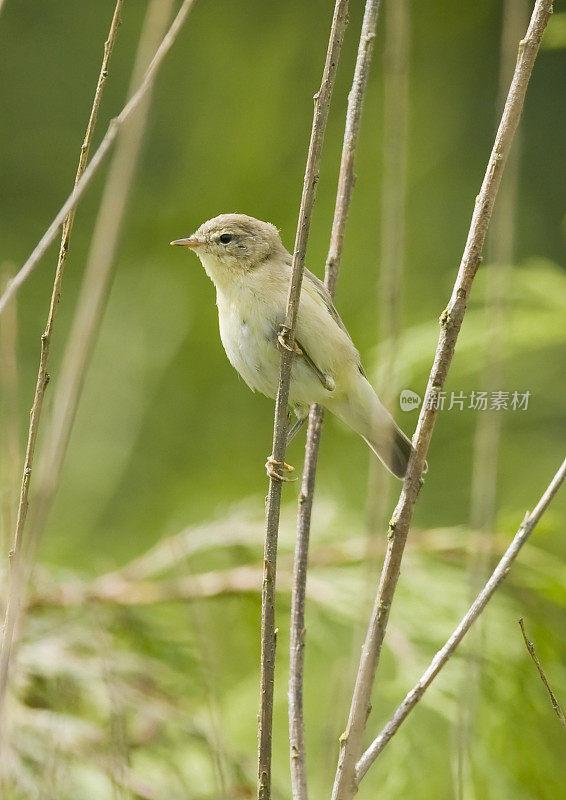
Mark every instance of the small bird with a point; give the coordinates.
(251, 270)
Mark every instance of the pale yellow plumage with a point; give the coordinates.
(251, 270)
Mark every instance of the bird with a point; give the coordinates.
(251, 270)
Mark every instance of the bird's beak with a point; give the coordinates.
(191, 242)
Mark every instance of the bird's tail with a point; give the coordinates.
(362, 410)
(395, 452)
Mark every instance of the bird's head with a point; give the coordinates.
(232, 244)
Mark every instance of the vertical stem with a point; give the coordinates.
(9, 438)
(15, 567)
(100, 154)
(392, 255)
(268, 633)
(343, 197)
(99, 273)
(42, 375)
(488, 430)
(451, 319)
(501, 245)
(394, 186)
(298, 602)
(91, 304)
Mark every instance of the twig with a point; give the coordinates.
(500, 248)
(268, 634)
(9, 439)
(347, 177)
(393, 198)
(392, 247)
(531, 648)
(42, 375)
(497, 577)
(345, 785)
(85, 327)
(344, 193)
(298, 602)
(98, 277)
(108, 140)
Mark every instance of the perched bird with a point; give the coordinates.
(251, 270)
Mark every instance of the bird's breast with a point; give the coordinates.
(248, 330)
(250, 314)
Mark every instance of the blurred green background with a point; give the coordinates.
(168, 436)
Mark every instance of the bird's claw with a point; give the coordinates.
(272, 466)
(282, 338)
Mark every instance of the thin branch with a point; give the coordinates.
(485, 459)
(298, 602)
(501, 250)
(344, 193)
(42, 376)
(531, 649)
(497, 577)
(347, 177)
(10, 454)
(396, 62)
(98, 276)
(394, 186)
(451, 320)
(86, 324)
(15, 576)
(268, 634)
(108, 140)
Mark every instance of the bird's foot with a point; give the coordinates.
(275, 468)
(283, 338)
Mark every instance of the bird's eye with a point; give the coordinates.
(225, 238)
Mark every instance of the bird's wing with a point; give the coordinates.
(326, 380)
(324, 295)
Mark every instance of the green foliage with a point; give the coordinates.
(155, 697)
(555, 36)
(160, 699)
